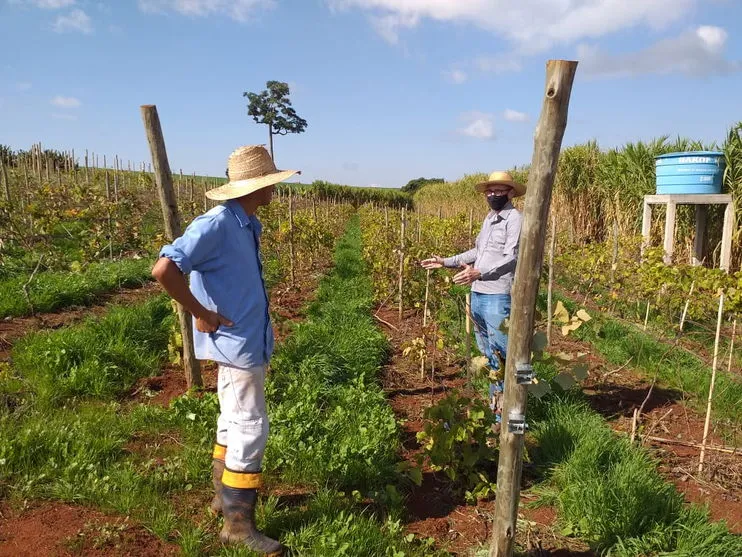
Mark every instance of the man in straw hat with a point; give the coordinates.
(490, 267)
(227, 298)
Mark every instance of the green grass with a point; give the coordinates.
(54, 290)
(63, 436)
(674, 367)
(610, 493)
(329, 417)
(100, 358)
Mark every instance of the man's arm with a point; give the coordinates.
(173, 281)
(465, 258)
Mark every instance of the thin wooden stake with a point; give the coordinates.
(547, 145)
(687, 303)
(646, 315)
(427, 292)
(731, 346)
(467, 328)
(711, 386)
(291, 237)
(164, 182)
(550, 287)
(401, 260)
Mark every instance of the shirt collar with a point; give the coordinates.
(239, 213)
(503, 214)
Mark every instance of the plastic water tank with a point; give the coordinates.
(697, 172)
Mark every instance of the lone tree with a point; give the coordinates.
(272, 107)
(413, 185)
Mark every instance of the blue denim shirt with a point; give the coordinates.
(221, 251)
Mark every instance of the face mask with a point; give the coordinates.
(497, 202)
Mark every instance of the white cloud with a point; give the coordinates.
(514, 116)
(478, 125)
(46, 4)
(76, 21)
(58, 116)
(65, 102)
(698, 52)
(455, 76)
(23, 86)
(499, 63)
(239, 10)
(531, 25)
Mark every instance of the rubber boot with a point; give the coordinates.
(238, 508)
(217, 469)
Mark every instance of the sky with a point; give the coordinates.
(391, 89)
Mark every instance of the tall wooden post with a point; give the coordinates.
(164, 182)
(547, 144)
(646, 226)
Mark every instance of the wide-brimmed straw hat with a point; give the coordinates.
(250, 169)
(498, 177)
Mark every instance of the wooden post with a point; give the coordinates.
(550, 287)
(711, 386)
(726, 239)
(646, 227)
(164, 182)
(700, 238)
(401, 260)
(87, 175)
(291, 237)
(669, 244)
(646, 315)
(547, 144)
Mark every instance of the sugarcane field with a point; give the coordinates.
(371, 278)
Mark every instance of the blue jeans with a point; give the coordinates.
(488, 312)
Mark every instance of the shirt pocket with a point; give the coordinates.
(497, 239)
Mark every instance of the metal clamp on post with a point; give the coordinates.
(524, 374)
(517, 423)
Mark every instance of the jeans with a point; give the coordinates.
(488, 313)
(242, 425)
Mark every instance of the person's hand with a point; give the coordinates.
(467, 276)
(211, 321)
(434, 262)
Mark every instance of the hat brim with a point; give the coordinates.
(239, 188)
(520, 189)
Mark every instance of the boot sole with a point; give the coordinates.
(231, 540)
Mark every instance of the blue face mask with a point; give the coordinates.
(497, 202)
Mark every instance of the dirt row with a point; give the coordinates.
(615, 393)
(32, 528)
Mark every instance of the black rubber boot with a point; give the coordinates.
(238, 508)
(217, 469)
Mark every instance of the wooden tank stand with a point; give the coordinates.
(701, 201)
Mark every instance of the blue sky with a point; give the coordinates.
(391, 89)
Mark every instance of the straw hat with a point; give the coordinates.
(505, 178)
(250, 169)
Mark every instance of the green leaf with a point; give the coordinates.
(565, 381)
(416, 475)
(561, 315)
(580, 371)
(539, 389)
(539, 342)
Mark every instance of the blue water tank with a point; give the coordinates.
(690, 172)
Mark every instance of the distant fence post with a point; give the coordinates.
(164, 182)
